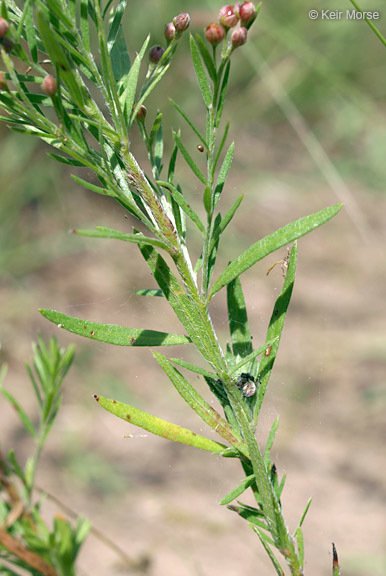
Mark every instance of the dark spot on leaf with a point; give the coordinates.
(114, 401)
(276, 312)
(128, 417)
(92, 333)
(96, 397)
(132, 341)
(84, 327)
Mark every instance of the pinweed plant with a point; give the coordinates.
(68, 79)
(26, 542)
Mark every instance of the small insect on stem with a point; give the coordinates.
(283, 264)
(247, 384)
(200, 148)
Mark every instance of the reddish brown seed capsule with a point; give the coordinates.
(155, 54)
(215, 34)
(141, 114)
(227, 16)
(7, 44)
(239, 37)
(49, 85)
(181, 22)
(4, 27)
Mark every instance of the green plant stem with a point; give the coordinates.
(369, 22)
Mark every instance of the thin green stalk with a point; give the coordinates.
(369, 22)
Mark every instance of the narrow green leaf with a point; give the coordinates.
(84, 24)
(263, 540)
(224, 170)
(273, 242)
(200, 73)
(300, 545)
(252, 356)
(150, 292)
(172, 164)
(128, 97)
(193, 368)
(217, 232)
(22, 415)
(280, 489)
(120, 60)
(112, 334)
(102, 232)
(158, 426)
(238, 320)
(236, 492)
(188, 159)
(270, 441)
(192, 314)
(65, 160)
(30, 31)
(187, 119)
(207, 58)
(275, 328)
(58, 55)
(158, 147)
(223, 92)
(305, 512)
(182, 203)
(115, 25)
(251, 515)
(208, 414)
(220, 148)
(92, 187)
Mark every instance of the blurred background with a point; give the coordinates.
(307, 108)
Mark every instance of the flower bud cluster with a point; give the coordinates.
(229, 17)
(177, 27)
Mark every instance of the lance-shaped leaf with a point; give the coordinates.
(158, 426)
(187, 119)
(267, 543)
(200, 73)
(102, 232)
(275, 329)
(58, 55)
(188, 159)
(273, 242)
(92, 187)
(224, 171)
(269, 444)
(192, 314)
(128, 97)
(208, 414)
(251, 356)
(22, 415)
(236, 492)
(225, 220)
(305, 512)
(193, 368)
(152, 292)
(183, 204)
(238, 320)
(300, 544)
(112, 334)
(252, 515)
